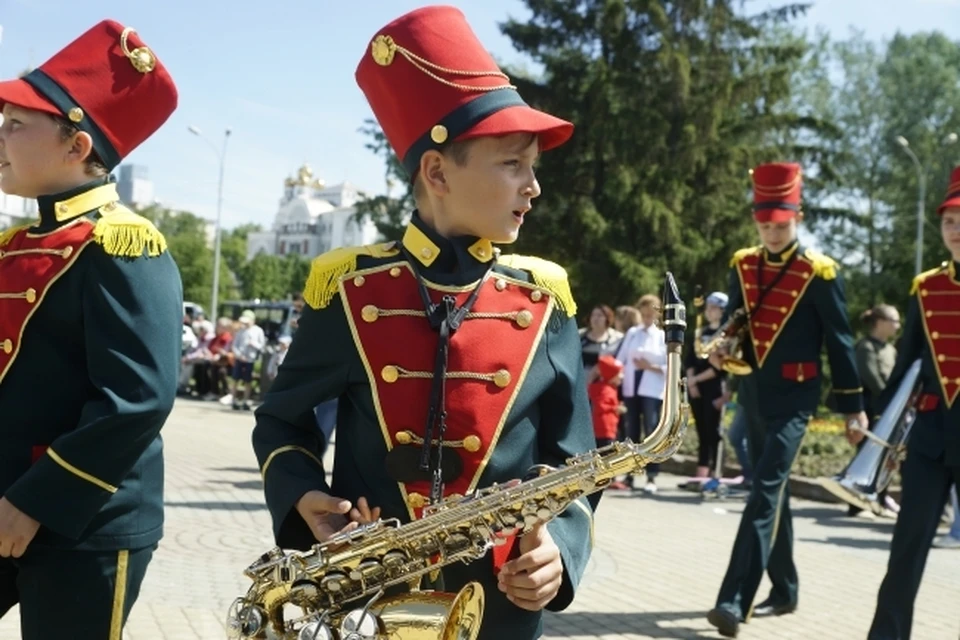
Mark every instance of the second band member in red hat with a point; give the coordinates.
(90, 335)
(932, 464)
(792, 302)
(462, 366)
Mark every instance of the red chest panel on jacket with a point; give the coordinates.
(489, 356)
(767, 321)
(29, 265)
(939, 298)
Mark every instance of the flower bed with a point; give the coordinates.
(824, 452)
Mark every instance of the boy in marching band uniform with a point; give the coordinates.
(794, 303)
(932, 334)
(90, 336)
(455, 367)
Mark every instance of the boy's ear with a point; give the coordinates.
(81, 146)
(432, 165)
(799, 217)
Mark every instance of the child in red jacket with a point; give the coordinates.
(604, 400)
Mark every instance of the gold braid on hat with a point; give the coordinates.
(776, 190)
(384, 48)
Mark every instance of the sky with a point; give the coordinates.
(280, 76)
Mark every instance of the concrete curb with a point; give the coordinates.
(800, 486)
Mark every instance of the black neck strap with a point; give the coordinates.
(444, 318)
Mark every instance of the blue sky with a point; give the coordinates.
(280, 75)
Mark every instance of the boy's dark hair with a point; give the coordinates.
(459, 152)
(93, 164)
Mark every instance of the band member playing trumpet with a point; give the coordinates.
(933, 450)
(793, 302)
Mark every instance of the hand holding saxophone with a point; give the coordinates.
(327, 515)
(857, 425)
(533, 580)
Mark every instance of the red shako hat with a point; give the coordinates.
(430, 81)
(108, 83)
(776, 191)
(952, 198)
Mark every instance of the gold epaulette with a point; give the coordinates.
(743, 253)
(823, 266)
(7, 234)
(327, 269)
(920, 278)
(123, 233)
(546, 275)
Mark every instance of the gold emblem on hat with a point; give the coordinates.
(383, 49)
(76, 114)
(141, 58)
(438, 134)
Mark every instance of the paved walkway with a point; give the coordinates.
(654, 573)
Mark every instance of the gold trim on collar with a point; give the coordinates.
(420, 246)
(85, 202)
(482, 250)
(952, 271)
(783, 256)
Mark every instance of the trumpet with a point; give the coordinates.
(727, 342)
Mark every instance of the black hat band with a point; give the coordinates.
(63, 101)
(459, 121)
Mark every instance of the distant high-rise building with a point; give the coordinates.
(134, 186)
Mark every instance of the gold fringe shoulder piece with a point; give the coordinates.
(546, 275)
(6, 235)
(743, 253)
(123, 233)
(917, 281)
(823, 266)
(327, 269)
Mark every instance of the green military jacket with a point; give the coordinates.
(515, 393)
(90, 334)
(803, 309)
(931, 334)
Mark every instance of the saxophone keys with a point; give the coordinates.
(333, 582)
(360, 625)
(315, 630)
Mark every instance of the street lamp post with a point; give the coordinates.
(920, 201)
(221, 154)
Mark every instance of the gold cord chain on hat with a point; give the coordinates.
(141, 58)
(776, 190)
(383, 48)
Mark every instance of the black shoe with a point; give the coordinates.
(726, 623)
(768, 608)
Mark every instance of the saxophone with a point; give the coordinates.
(728, 340)
(344, 588)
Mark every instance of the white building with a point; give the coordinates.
(312, 219)
(14, 209)
(134, 186)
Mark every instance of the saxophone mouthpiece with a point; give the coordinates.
(674, 311)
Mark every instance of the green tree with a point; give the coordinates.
(233, 245)
(388, 213)
(673, 102)
(187, 242)
(920, 76)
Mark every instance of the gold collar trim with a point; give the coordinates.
(482, 250)
(783, 256)
(952, 271)
(420, 246)
(85, 202)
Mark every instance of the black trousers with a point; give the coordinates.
(707, 418)
(81, 595)
(926, 484)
